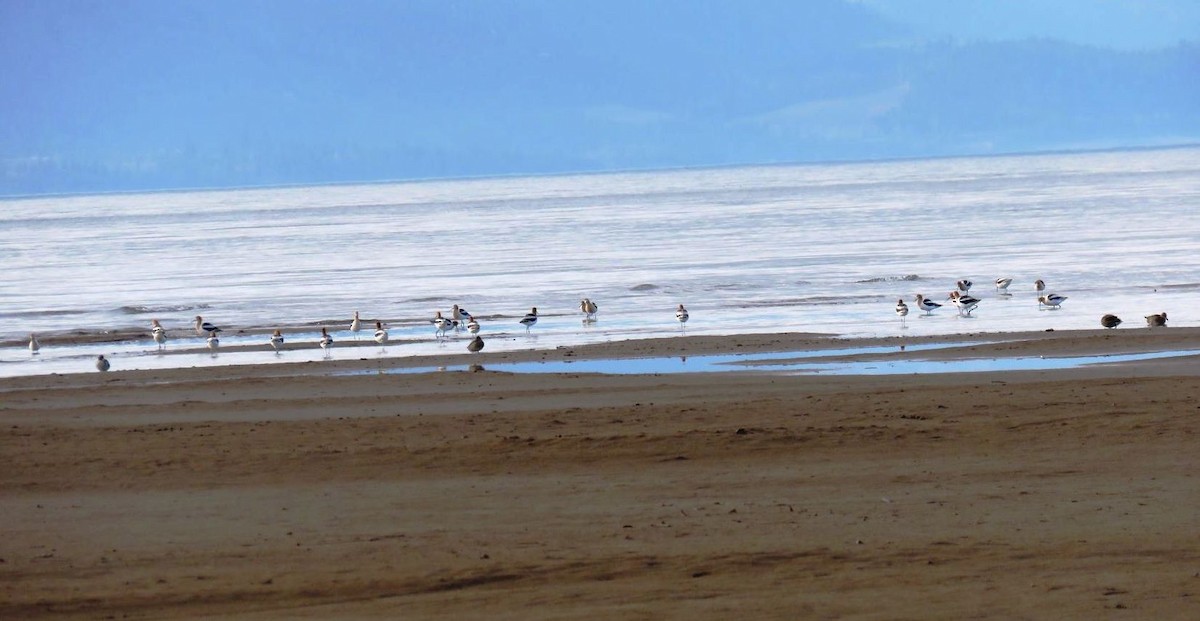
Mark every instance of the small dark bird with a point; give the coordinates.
(1156, 321)
(1110, 321)
(475, 345)
(102, 363)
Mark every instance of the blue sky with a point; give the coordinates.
(139, 94)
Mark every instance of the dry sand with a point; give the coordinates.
(287, 492)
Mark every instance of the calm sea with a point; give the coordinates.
(814, 248)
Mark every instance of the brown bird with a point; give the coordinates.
(1110, 321)
(1156, 321)
(475, 345)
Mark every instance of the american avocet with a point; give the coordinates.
(475, 345)
(472, 325)
(355, 325)
(529, 319)
(459, 315)
(34, 346)
(213, 341)
(1002, 285)
(588, 308)
(927, 305)
(901, 310)
(1156, 321)
(442, 324)
(204, 327)
(681, 315)
(277, 340)
(159, 334)
(381, 335)
(1110, 321)
(326, 340)
(963, 302)
(963, 285)
(102, 364)
(1053, 300)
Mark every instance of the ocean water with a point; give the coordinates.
(813, 248)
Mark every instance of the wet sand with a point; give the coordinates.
(292, 491)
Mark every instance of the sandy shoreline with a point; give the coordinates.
(291, 491)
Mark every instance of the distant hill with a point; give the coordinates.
(125, 96)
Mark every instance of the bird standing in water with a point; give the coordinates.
(529, 319)
(901, 310)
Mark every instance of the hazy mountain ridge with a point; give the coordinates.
(177, 97)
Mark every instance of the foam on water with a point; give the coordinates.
(823, 248)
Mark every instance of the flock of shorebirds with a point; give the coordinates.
(458, 319)
(965, 303)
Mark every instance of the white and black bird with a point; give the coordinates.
(1157, 321)
(355, 325)
(530, 319)
(681, 315)
(381, 335)
(102, 364)
(901, 310)
(588, 308)
(1052, 300)
(963, 285)
(459, 315)
(475, 345)
(963, 302)
(1002, 285)
(472, 325)
(204, 327)
(34, 345)
(213, 341)
(926, 304)
(158, 333)
(1110, 321)
(441, 324)
(326, 341)
(277, 340)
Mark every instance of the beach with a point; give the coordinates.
(347, 490)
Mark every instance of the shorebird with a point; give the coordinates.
(34, 346)
(213, 341)
(276, 340)
(159, 334)
(964, 303)
(1002, 285)
(1156, 321)
(475, 345)
(381, 335)
(963, 285)
(1039, 285)
(588, 308)
(901, 310)
(1110, 321)
(1053, 300)
(681, 315)
(472, 325)
(459, 315)
(326, 340)
(442, 324)
(927, 305)
(204, 327)
(102, 364)
(529, 319)
(355, 325)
